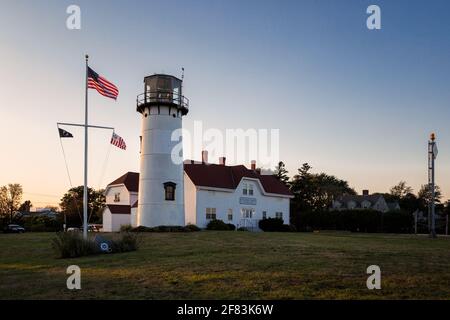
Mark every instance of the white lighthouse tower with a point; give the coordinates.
(161, 190)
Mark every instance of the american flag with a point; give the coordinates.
(118, 141)
(103, 86)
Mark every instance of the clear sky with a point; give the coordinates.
(352, 102)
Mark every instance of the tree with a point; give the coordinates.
(409, 202)
(72, 205)
(316, 191)
(10, 198)
(25, 206)
(425, 195)
(400, 190)
(281, 173)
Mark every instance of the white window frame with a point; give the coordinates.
(247, 213)
(210, 213)
(250, 189)
(230, 214)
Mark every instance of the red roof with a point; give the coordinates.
(119, 209)
(130, 180)
(216, 176)
(228, 177)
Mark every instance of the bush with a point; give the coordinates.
(72, 244)
(192, 227)
(125, 243)
(42, 224)
(272, 224)
(188, 228)
(218, 225)
(242, 229)
(356, 221)
(231, 226)
(142, 229)
(126, 228)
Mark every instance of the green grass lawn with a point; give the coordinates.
(233, 265)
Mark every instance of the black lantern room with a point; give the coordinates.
(162, 89)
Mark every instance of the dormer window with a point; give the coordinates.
(117, 197)
(169, 190)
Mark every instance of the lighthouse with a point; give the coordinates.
(161, 186)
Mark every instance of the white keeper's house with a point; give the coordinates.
(176, 193)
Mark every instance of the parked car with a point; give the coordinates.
(14, 228)
(94, 227)
(73, 229)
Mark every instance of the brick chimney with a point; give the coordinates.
(365, 192)
(253, 164)
(222, 161)
(204, 157)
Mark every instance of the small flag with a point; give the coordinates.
(118, 141)
(64, 134)
(103, 86)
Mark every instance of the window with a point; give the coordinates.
(210, 213)
(250, 189)
(279, 215)
(247, 213)
(264, 214)
(230, 214)
(169, 190)
(244, 191)
(117, 197)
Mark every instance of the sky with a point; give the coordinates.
(352, 102)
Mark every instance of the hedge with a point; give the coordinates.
(356, 221)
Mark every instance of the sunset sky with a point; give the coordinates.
(354, 103)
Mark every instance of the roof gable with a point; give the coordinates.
(130, 180)
(229, 177)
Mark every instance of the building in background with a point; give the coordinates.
(366, 201)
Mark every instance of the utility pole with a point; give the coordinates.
(432, 153)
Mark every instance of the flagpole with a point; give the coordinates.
(85, 189)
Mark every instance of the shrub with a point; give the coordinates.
(188, 228)
(356, 221)
(142, 229)
(126, 242)
(242, 229)
(217, 225)
(126, 228)
(42, 224)
(192, 227)
(231, 226)
(272, 224)
(72, 244)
